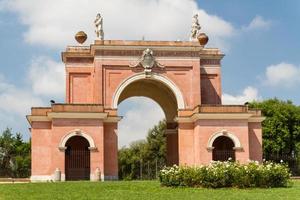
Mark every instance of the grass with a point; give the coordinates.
(137, 190)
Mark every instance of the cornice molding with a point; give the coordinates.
(73, 115)
(32, 118)
(256, 119)
(114, 48)
(77, 115)
(197, 116)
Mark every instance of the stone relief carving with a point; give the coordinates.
(195, 28)
(147, 61)
(99, 27)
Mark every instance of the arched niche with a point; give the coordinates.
(77, 132)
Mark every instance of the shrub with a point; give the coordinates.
(227, 174)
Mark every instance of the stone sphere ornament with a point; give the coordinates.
(81, 37)
(203, 39)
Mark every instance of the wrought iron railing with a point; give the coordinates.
(223, 155)
(293, 161)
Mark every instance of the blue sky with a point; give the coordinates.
(260, 40)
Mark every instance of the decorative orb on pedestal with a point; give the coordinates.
(203, 39)
(81, 37)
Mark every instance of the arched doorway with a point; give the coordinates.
(223, 149)
(165, 97)
(77, 159)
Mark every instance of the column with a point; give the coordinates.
(172, 146)
(110, 151)
(186, 143)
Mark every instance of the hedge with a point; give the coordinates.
(227, 174)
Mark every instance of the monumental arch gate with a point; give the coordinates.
(78, 139)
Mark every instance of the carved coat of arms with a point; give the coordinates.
(147, 61)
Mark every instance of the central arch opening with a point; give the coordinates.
(154, 90)
(77, 159)
(139, 115)
(145, 92)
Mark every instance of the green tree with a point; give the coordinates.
(130, 160)
(142, 157)
(281, 128)
(14, 155)
(156, 142)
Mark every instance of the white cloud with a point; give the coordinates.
(258, 23)
(16, 100)
(54, 23)
(140, 114)
(15, 104)
(47, 77)
(282, 74)
(249, 94)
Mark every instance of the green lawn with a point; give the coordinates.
(137, 190)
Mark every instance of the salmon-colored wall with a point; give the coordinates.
(211, 85)
(110, 151)
(40, 148)
(186, 143)
(239, 128)
(81, 88)
(79, 83)
(45, 142)
(204, 129)
(94, 128)
(255, 141)
(186, 77)
(99, 83)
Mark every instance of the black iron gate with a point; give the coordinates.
(223, 155)
(223, 149)
(77, 159)
(77, 164)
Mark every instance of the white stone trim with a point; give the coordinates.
(63, 177)
(236, 141)
(32, 118)
(77, 115)
(197, 116)
(131, 58)
(142, 47)
(112, 119)
(46, 178)
(221, 116)
(171, 131)
(92, 148)
(256, 119)
(93, 177)
(62, 148)
(69, 115)
(102, 177)
(154, 76)
(41, 178)
(76, 132)
(210, 67)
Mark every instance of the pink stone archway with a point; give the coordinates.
(157, 77)
(185, 82)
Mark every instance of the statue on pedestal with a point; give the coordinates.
(99, 26)
(195, 28)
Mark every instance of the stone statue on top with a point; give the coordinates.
(99, 27)
(195, 28)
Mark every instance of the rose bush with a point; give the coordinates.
(227, 174)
